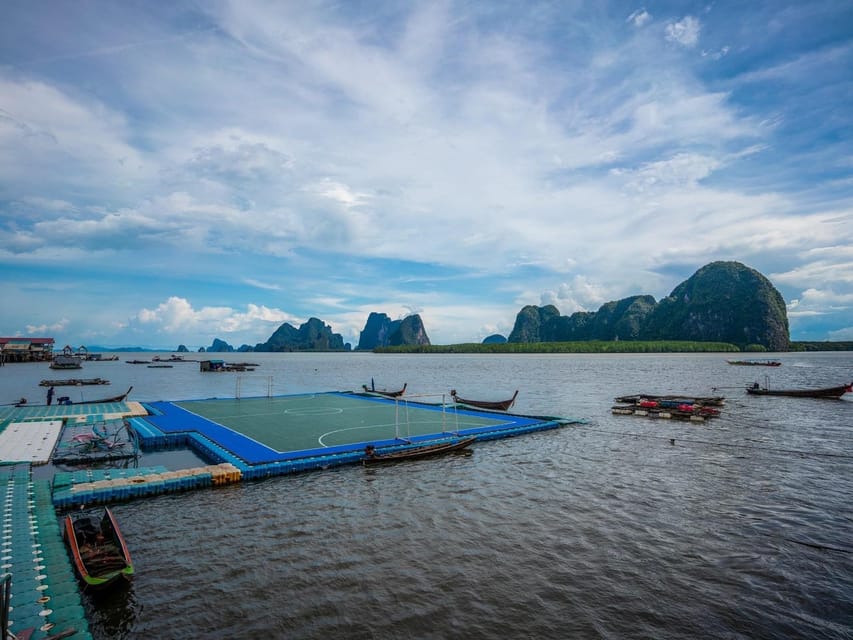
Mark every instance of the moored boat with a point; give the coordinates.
(497, 405)
(413, 453)
(385, 392)
(827, 392)
(97, 547)
(756, 363)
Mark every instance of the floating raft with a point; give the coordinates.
(74, 382)
(697, 409)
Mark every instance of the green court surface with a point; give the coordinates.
(296, 423)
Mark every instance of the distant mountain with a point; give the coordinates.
(721, 302)
(313, 335)
(219, 346)
(381, 331)
(495, 338)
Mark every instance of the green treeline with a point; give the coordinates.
(821, 346)
(591, 346)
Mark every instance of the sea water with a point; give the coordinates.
(623, 527)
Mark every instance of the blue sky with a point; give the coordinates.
(171, 173)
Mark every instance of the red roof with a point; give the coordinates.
(25, 339)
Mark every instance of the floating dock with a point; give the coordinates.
(44, 595)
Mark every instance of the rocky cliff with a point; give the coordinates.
(314, 335)
(381, 331)
(721, 302)
(411, 331)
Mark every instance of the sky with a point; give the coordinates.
(175, 172)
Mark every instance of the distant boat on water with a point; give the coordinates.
(756, 363)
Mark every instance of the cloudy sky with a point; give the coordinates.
(174, 172)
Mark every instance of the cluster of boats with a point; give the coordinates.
(698, 409)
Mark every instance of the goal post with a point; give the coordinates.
(402, 419)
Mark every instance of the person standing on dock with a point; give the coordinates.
(49, 396)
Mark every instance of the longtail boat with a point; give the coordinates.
(97, 547)
(385, 392)
(413, 453)
(118, 398)
(828, 392)
(756, 363)
(497, 405)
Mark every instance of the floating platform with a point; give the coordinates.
(251, 438)
(29, 441)
(45, 596)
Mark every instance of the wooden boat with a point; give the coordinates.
(715, 401)
(98, 550)
(120, 398)
(66, 400)
(498, 405)
(384, 392)
(413, 453)
(756, 363)
(828, 392)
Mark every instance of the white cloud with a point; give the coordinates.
(177, 315)
(683, 169)
(262, 285)
(715, 55)
(56, 327)
(639, 17)
(684, 32)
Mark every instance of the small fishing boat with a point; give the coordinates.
(65, 400)
(385, 392)
(413, 453)
(828, 392)
(497, 405)
(756, 363)
(97, 547)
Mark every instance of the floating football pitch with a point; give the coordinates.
(265, 429)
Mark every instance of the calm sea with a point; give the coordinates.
(625, 527)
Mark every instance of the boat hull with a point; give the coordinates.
(98, 551)
(499, 405)
(834, 393)
(415, 453)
